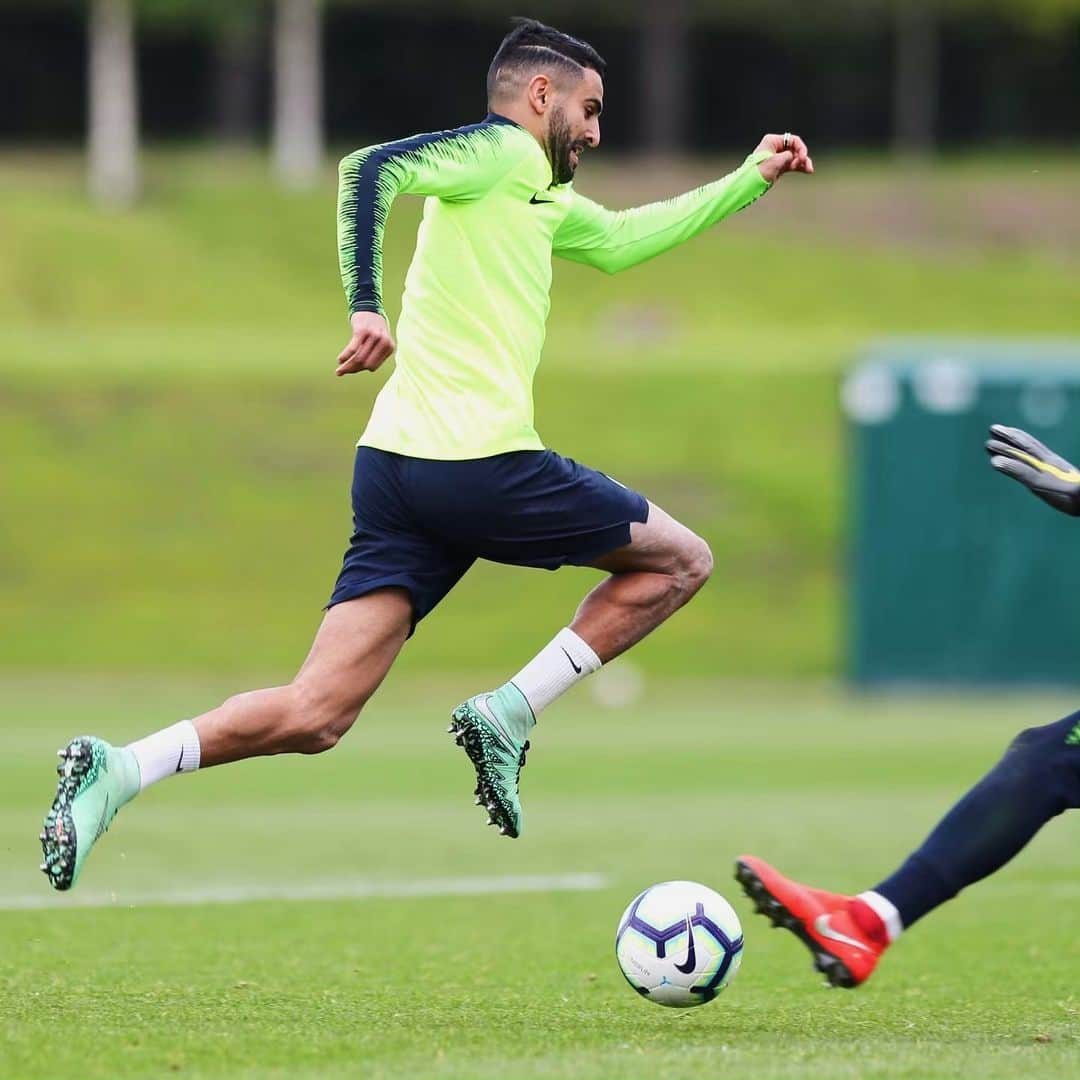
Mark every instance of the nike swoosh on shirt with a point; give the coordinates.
(821, 925)
(691, 955)
(541, 202)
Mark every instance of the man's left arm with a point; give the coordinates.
(1017, 454)
(614, 240)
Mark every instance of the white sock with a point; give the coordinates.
(565, 660)
(174, 749)
(886, 911)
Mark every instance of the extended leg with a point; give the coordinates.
(353, 650)
(1037, 779)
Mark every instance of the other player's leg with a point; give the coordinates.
(353, 650)
(1036, 780)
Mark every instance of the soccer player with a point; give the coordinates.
(450, 468)
(1037, 779)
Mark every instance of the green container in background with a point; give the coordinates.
(957, 574)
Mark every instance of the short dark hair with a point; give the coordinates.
(532, 43)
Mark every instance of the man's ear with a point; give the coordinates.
(540, 93)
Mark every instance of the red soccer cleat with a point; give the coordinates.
(844, 952)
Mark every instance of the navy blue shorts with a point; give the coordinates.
(420, 524)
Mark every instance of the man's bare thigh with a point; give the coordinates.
(657, 545)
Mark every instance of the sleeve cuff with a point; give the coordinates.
(750, 168)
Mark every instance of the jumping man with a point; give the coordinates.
(450, 468)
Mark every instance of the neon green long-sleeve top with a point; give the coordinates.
(477, 292)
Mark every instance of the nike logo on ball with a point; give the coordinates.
(821, 925)
(691, 954)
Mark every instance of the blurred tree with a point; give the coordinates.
(917, 28)
(298, 96)
(237, 44)
(112, 95)
(112, 82)
(916, 97)
(298, 125)
(664, 30)
(235, 28)
(665, 65)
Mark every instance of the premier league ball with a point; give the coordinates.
(679, 944)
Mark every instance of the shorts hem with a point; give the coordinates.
(344, 593)
(621, 530)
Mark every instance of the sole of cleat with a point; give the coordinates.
(466, 736)
(58, 843)
(832, 967)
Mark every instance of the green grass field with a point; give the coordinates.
(174, 490)
(519, 984)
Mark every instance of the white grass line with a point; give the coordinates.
(347, 889)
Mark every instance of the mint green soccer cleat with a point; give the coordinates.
(96, 779)
(491, 729)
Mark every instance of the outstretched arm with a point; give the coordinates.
(1017, 454)
(616, 240)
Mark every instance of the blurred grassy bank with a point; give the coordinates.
(178, 453)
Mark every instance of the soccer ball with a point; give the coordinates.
(679, 944)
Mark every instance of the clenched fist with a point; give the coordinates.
(790, 154)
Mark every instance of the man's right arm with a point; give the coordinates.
(458, 165)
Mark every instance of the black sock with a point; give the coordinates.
(1037, 779)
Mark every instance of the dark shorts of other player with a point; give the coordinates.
(420, 524)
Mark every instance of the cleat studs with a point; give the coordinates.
(478, 801)
(44, 868)
(491, 821)
(62, 753)
(503, 830)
